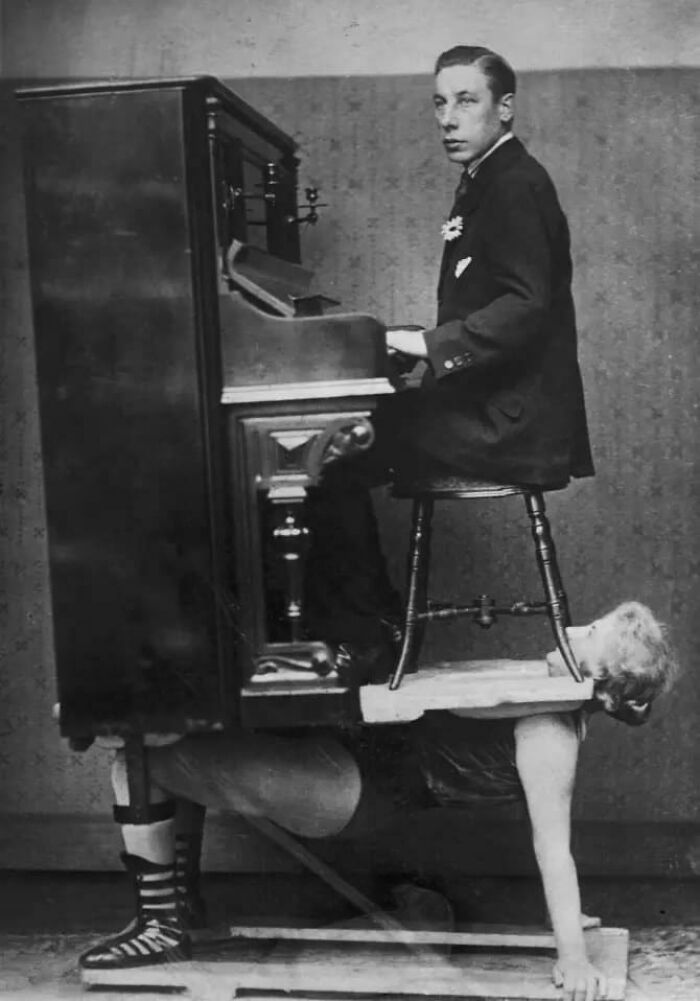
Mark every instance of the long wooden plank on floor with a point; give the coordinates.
(487, 936)
(356, 969)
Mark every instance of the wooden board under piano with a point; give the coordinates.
(479, 687)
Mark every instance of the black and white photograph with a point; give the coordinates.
(350, 500)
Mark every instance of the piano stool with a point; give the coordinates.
(419, 610)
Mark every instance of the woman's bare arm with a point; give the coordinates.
(546, 756)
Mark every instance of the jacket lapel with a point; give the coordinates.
(469, 202)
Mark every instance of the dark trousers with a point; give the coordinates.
(348, 590)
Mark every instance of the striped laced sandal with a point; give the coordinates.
(156, 935)
(191, 904)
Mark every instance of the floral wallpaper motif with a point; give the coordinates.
(623, 150)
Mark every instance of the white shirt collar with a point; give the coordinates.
(475, 164)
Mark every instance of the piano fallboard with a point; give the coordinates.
(279, 350)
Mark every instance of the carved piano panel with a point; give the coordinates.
(287, 387)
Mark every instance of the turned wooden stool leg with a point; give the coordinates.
(417, 589)
(557, 603)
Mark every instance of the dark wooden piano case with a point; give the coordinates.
(134, 192)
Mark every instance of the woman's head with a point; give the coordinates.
(628, 655)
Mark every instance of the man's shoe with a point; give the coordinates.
(371, 663)
(393, 630)
(415, 908)
(420, 908)
(364, 665)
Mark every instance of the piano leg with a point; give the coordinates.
(290, 537)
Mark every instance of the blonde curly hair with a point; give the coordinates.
(638, 663)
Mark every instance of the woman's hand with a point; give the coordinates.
(579, 980)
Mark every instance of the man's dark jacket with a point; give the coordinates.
(504, 398)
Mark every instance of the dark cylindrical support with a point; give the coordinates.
(291, 537)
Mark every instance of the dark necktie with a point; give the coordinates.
(464, 185)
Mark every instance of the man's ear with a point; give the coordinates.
(506, 108)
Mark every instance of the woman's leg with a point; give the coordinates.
(309, 785)
(155, 840)
(157, 934)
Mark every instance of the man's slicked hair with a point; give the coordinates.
(500, 75)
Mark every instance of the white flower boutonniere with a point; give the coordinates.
(452, 228)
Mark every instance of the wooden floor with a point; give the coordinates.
(663, 966)
(46, 921)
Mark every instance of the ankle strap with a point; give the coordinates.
(154, 812)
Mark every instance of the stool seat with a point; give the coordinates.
(454, 485)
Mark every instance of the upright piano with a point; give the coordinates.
(188, 376)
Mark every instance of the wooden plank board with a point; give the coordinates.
(356, 969)
(476, 936)
(507, 687)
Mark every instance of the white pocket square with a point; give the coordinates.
(462, 266)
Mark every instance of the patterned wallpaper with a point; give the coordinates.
(623, 150)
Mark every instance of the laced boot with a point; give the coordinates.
(191, 905)
(156, 935)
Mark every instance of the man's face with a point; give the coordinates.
(469, 118)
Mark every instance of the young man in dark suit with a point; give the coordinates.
(502, 398)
